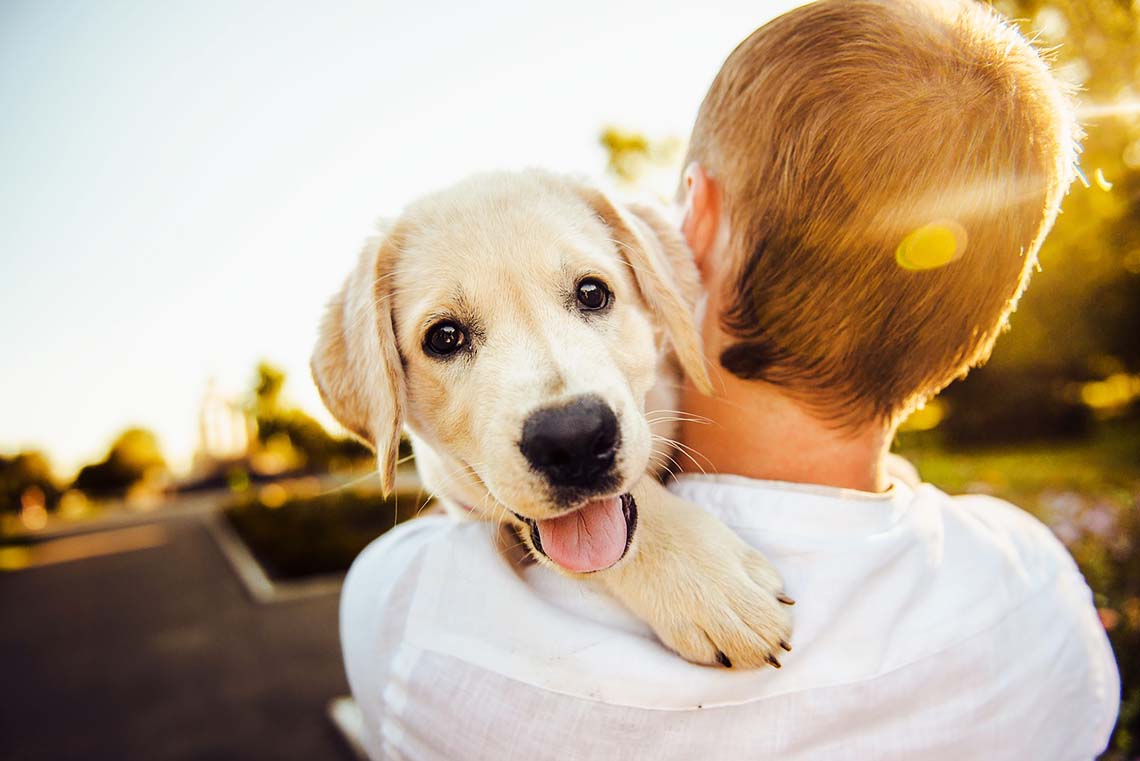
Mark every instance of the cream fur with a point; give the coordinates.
(502, 253)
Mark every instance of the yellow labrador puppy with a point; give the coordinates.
(519, 327)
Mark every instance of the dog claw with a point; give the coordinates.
(786, 646)
(723, 660)
(785, 599)
(772, 660)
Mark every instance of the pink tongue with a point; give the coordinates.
(588, 539)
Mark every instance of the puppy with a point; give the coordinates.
(524, 329)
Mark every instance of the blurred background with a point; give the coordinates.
(185, 184)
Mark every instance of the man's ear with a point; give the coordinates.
(663, 267)
(701, 224)
(356, 363)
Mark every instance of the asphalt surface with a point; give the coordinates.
(157, 654)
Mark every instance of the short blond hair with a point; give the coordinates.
(838, 133)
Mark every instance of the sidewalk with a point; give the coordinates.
(158, 653)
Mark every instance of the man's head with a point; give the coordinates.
(868, 186)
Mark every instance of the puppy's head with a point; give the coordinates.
(514, 323)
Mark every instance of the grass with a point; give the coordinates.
(1107, 465)
(316, 535)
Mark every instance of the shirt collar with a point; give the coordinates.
(794, 508)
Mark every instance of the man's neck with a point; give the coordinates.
(754, 430)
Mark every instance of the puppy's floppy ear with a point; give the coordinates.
(665, 273)
(356, 363)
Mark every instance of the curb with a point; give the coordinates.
(260, 588)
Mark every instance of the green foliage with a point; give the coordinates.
(278, 424)
(626, 152)
(134, 456)
(317, 535)
(635, 160)
(1080, 319)
(267, 387)
(21, 472)
(1009, 405)
(1081, 314)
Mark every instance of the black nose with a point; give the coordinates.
(572, 445)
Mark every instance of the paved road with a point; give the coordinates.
(159, 654)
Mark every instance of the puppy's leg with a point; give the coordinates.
(706, 594)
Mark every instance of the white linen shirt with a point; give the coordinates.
(926, 627)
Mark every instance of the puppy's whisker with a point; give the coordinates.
(464, 468)
(420, 509)
(666, 454)
(687, 451)
(674, 413)
(625, 260)
(447, 478)
(696, 464)
(680, 414)
(350, 484)
(676, 465)
(636, 269)
(620, 244)
(658, 421)
(687, 448)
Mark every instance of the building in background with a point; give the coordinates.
(225, 431)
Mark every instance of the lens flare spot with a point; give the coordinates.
(931, 246)
(273, 496)
(1102, 181)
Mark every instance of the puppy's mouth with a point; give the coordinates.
(591, 538)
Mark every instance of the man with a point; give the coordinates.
(869, 183)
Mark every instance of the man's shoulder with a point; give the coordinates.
(405, 541)
(986, 525)
(391, 574)
(1053, 638)
(396, 557)
(1030, 580)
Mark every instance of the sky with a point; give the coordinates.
(184, 184)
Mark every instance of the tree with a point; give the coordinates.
(134, 456)
(21, 472)
(267, 387)
(636, 161)
(1080, 317)
(280, 427)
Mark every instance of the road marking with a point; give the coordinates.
(82, 547)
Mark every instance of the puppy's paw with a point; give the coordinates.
(705, 593)
(733, 613)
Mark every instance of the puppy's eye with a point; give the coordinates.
(593, 295)
(445, 338)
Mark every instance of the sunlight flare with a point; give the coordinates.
(1102, 110)
(931, 246)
